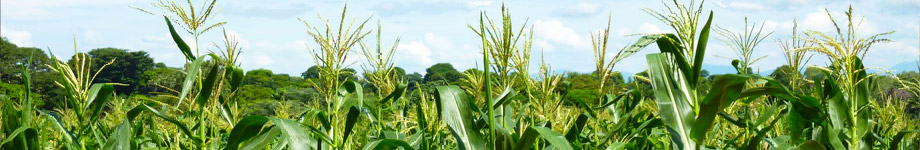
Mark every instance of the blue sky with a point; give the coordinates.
(434, 31)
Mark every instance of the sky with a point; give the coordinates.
(435, 31)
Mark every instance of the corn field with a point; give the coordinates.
(498, 107)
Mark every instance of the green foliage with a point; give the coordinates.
(673, 105)
(442, 72)
(127, 68)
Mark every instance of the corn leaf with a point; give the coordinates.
(295, 134)
(179, 42)
(456, 113)
(387, 144)
(207, 86)
(725, 90)
(191, 75)
(245, 129)
(672, 92)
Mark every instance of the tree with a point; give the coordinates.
(13, 57)
(127, 68)
(442, 72)
(162, 78)
(784, 74)
(259, 77)
(311, 73)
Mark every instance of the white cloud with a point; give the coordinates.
(650, 28)
(18, 37)
(556, 31)
(262, 60)
(417, 52)
(581, 9)
(742, 6)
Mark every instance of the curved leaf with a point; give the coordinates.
(245, 129)
(387, 144)
(179, 42)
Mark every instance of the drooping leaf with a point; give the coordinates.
(179, 42)
(725, 90)
(137, 110)
(263, 140)
(245, 129)
(530, 136)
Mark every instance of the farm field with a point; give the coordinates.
(354, 93)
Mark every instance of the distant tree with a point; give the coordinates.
(784, 74)
(442, 72)
(13, 57)
(311, 73)
(162, 78)
(399, 72)
(259, 77)
(414, 79)
(348, 74)
(128, 68)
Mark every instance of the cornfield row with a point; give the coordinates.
(498, 108)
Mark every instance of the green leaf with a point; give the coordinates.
(350, 121)
(245, 129)
(263, 140)
(396, 94)
(207, 86)
(673, 94)
(137, 110)
(504, 97)
(27, 100)
(387, 144)
(896, 140)
(236, 77)
(811, 145)
(616, 146)
(577, 127)
(98, 95)
(529, 138)
(456, 113)
(191, 75)
(121, 138)
(295, 134)
(179, 42)
(640, 44)
(700, 52)
(69, 139)
(725, 90)
(755, 141)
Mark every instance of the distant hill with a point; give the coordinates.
(904, 66)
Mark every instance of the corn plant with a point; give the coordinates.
(743, 44)
(847, 85)
(194, 22)
(795, 53)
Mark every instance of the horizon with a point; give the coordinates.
(435, 31)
